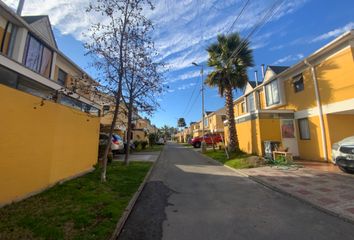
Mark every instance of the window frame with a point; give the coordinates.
(298, 79)
(243, 107)
(42, 47)
(269, 90)
(249, 98)
(300, 128)
(66, 77)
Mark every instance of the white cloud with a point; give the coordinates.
(334, 33)
(184, 28)
(186, 86)
(288, 59)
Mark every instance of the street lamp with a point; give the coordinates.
(203, 145)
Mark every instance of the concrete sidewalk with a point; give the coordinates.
(331, 190)
(139, 157)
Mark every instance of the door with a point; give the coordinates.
(288, 134)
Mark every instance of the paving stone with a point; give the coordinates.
(350, 210)
(324, 189)
(304, 192)
(327, 200)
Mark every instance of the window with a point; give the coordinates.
(35, 88)
(105, 109)
(304, 129)
(17, 81)
(62, 77)
(71, 102)
(8, 39)
(206, 122)
(250, 102)
(8, 77)
(298, 82)
(37, 57)
(272, 93)
(243, 107)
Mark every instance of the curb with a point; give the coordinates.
(267, 185)
(131, 204)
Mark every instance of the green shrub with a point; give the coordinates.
(152, 139)
(143, 144)
(137, 144)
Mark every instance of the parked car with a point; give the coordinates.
(208, 138)
(117, 144)
(343, 154)
(132, 146)
(161, 141)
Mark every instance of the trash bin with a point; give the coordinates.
(269, 147)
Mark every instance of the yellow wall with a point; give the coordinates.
(338, 127)
(311, 149)
(300, 100)
(139, 136)
(269, 130)
(261, 96)
(41, 145)
(215, 122)
(335, 77)
(335, 83)
(249, 136)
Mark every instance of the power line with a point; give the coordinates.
(238, 16)
(269, 14)
(195, 100)
(190, 99)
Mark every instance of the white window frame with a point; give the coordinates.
(251, 97)
(301, 129)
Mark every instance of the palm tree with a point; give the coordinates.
(230, 57)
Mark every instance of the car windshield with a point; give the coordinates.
(116, 137)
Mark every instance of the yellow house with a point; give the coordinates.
(49, 124)
(214, 121)
(306, 107)
(184, 135)
(142, 129)
(196, 129)
(107, 113)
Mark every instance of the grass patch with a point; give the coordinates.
(83, 208)
(154, 148)
(237, 160)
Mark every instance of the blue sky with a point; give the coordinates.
(185, 27)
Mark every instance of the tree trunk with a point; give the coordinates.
(229, 105)
(130, 114)
(119, 92)
(108, 146)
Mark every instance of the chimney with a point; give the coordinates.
(262, 71)
(256, 77)
(20, 7)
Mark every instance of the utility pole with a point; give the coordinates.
(203, 144)
(20, 7)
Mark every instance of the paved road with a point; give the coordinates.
(191, 197)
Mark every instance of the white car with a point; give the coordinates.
(161, 141)
(117, 144)
(343, 154)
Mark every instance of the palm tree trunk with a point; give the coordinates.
(229, 105)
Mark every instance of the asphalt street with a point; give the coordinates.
(188, 196)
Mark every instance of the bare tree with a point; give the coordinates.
(143, 80)
(108, 41)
